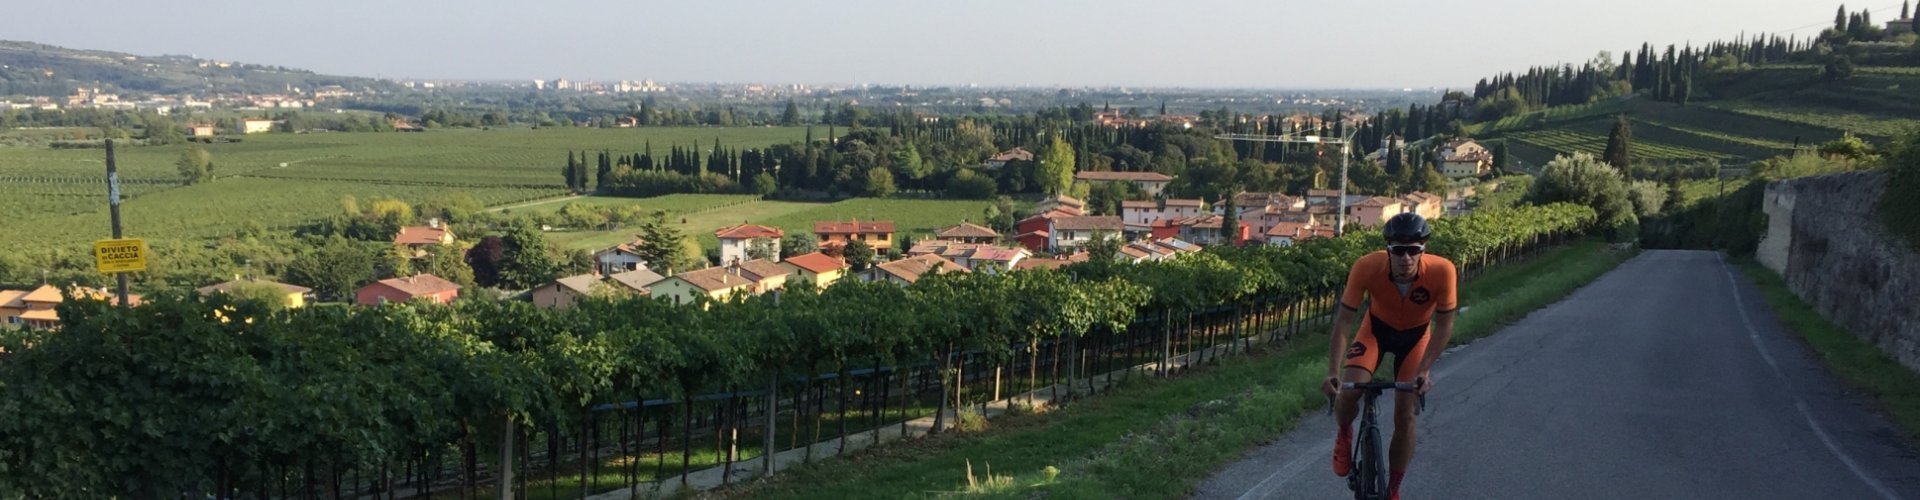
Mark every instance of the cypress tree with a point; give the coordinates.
(1619, 144)
(1840, 19)
(1904, 12)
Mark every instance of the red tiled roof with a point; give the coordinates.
(1107, 222)
(713, 278)
(1377, 201)
(851, 227)
(1175, 202)
(1139, 204)
(419, 235)
(747, 232)
(1056, 213)
(910, 269)
(1064, 200)
(817, 262)
(966, 230)
(762, 269)
(997, 254)
(1019, 154)
(422, 284)
(1040, 263)
(1122, 176)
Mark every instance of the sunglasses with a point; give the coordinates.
(1407, 249)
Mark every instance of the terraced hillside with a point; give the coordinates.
(1752, 115)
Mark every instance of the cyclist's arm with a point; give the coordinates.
(1351, 299)
(1337, 347)
(1442, 331)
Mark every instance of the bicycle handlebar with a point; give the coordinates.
(1382, 386)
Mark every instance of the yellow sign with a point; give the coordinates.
(120, 256)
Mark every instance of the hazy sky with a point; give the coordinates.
(1273, 43)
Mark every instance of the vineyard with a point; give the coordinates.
(244, 401)
(1570, 141)
(280, 180)
(704, 213)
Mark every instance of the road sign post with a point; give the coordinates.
(113, 205)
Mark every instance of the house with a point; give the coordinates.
(418, 238)
(1150, 183)
(1133, 255)
(1072, 232)
(627, 122)
(968, 232)
(1322, 198)
(1900, 26)
(1463, 158)
(716, 283)
(295, 295)
(563, 292)
(834, 234)
(1427, 205)
(1374, 211)
(424, 286)
(35, 308)
(251, 126)
(1260, 209)
(766, 274)
(1041, 264)
(637, 281)
(200, 131)
(1289, 233)
(1009, 156)
(621, 257)
(1139, 215)
(1203, 229)
(736, 240)
(1063, 203)
(1176, 207)
(993, 259)
(817, 269)
(908, 270)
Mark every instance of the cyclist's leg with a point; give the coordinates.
(1406, 369)
(1363, 356)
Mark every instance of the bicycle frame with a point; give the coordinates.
(1369, 477)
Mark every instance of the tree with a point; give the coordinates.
(1430, 181)
(858, 254)
(1838, 69)
(1848, 146)
(1840, 19)
(1230, 220)
(1905, 10)
(1648, 198)
(527, 261)
(791, 116)
(879, 182)
(195, 164)
(1502, 159)
(798, 243)
(1055, 171)
(660, 245)
(1582, 179)
(484, 259)
(907, 162)
(763, 184)
(449, 263)
(1619, 152)
(334, 268)
(761, 248)
(966, 184)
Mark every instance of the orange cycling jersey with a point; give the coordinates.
(1396, 321)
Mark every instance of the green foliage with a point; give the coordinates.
(1583, 180)
(528, 261)
(966, 184)
(335, 267)
(858, 254)
(1619, 152)
(194, 164)
(1648, 197)
(1849, 147)
(1899, 208)
(879, 183)
(798, 243)
(1055, 171)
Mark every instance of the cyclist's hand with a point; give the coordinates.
(1331, 386)
(1423, 384)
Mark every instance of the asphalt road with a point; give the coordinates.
(1666, 378)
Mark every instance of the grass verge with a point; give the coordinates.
(1859, 363)
(1157, 438)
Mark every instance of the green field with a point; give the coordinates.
(1570, 141)
(280, 180)
(702, 214)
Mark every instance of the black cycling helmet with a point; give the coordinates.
(1407, 226)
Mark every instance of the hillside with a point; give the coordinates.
(33, 69)
(1754, 114)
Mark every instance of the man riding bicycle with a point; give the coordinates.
(1406, 291)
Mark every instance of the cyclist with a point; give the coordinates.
(1407, 292)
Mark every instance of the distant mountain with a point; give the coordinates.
(34, 69)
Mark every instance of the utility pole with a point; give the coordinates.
(113, 204)
(1346, 151)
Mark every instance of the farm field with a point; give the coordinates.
(911, 217)
(1569, 141)
(59, 195)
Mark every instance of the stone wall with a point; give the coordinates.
(1825, 237)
